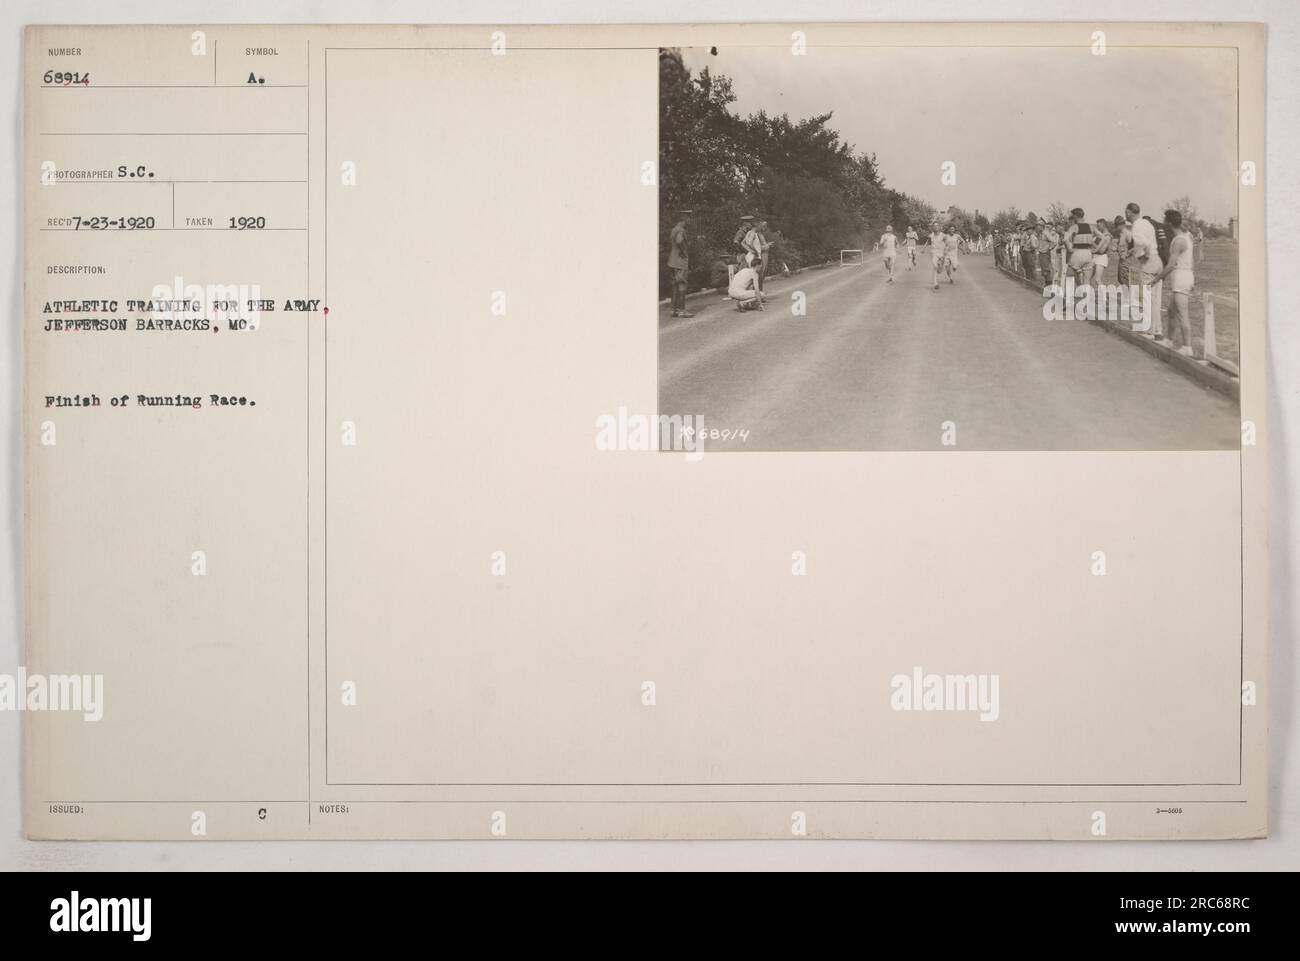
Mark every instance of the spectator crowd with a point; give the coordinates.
(1155, 257)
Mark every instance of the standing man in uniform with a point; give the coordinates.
(746, 224)
(1044, 243)
(1055, 236)
(1123, 243)
(746, 239)
(678, 263)
(763, 245)
(1028, 250)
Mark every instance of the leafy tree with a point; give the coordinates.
(807, 148)
(917, 212)
(1184, 206)
(815, 220)
(874, 204)
(700, 155)
(818, 193)
(1007, 218)
(963, 221)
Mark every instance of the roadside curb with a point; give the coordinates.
(1031, 284)
(1198, 370)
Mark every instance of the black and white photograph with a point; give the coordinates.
(976, 248)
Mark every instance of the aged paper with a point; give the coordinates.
(656, 432)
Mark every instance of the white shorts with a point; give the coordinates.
(1181, 280)
(889, 258)
(1101, 260)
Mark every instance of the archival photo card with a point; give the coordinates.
(719, 431)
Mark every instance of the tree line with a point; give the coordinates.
(1057, 212)
(818, 193)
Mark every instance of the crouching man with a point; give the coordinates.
(744, 287)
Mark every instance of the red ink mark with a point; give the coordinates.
(327, 311)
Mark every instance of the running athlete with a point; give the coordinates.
(938, 245)
(952, 244)
(889, 250)
(910, 239)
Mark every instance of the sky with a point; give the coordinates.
(1025, 126)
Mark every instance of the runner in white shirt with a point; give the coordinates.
(938, 245)
(889, 250)
(910, 239)
(952, 243)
